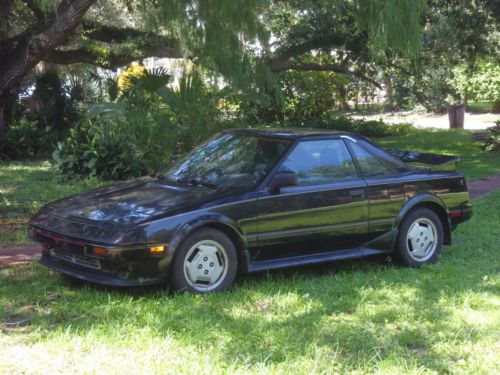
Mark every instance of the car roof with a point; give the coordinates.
(291, 133)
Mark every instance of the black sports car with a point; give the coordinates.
(253, 200)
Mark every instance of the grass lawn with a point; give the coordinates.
(474, 162)
(26, 186)
(350, 317)
(480, 106)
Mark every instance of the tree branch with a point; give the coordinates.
(283, 56)
(113, 34)
(31, 49)
(329, 68)
(112, 60)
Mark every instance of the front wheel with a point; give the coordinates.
(420, 238)
(205, 262)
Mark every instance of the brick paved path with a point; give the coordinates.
(28, 253)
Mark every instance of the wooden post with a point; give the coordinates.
(456, 114)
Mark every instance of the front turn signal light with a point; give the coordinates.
(98, 251)
(157, 250)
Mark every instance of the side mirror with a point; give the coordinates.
(283, 179)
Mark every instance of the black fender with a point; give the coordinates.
(216, 221)
(430, 201)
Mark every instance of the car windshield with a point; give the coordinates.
(229, 160)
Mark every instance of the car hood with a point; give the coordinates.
(132, 203)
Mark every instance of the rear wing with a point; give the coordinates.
(423, 160)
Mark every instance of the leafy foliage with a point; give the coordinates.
(482, 83)
(48, 115)
(140, 132)
(490, 138)
(116, 140)
(24, 140)
(363, 127)
(457, 40)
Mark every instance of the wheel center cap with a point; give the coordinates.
(206, 265)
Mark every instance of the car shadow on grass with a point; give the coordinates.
(362, 311)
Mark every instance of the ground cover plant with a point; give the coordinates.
(350, 317)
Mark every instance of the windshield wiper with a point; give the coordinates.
(191, 181)
(196, 182)
(164, 178)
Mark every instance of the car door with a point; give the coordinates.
(326, 211)
(385, 188)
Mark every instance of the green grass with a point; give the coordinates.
(474, 163)
(480, 106)
(24, 188)
(350, 317)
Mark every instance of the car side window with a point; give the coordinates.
(369, 164)
(320, 161)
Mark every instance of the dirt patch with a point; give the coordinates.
(20, 255)
(483, 186)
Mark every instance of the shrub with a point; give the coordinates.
(490, 138)
(140, 132)
(121, 143)
(371, 128)
(24, 139)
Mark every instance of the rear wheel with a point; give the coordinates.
(420, 238)
(205, 262)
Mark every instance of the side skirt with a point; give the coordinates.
(312, 259)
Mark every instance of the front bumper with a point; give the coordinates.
(121, 266)
(96, 277)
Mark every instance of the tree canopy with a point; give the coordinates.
(220, 34)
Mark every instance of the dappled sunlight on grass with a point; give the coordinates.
(474, 162)
(24, 188)
(350, 316)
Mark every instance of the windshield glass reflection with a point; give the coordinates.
(229, 160)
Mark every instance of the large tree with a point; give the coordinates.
(75, 31)
(220, 34)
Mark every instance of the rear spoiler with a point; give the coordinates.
(423, 160)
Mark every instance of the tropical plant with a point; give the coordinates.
(143, 128)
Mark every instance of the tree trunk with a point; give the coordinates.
(495, 108)
(343, 97)
(388, 105)
(21, 55)
(5, 13)
(2, 125)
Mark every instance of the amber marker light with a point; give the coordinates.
(99, 251)
(158, 250)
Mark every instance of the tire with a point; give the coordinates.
(420, 238)
(206, 261)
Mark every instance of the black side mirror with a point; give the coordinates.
(283, 179)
